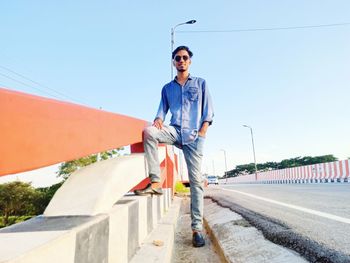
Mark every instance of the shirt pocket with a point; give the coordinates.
(192, 94)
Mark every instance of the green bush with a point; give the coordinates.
(180, 188)
(20, 201)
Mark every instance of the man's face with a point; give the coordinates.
(182, 61)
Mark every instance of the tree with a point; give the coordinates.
(16, 198)
(67, 168)
(45, 195)
(287, 163)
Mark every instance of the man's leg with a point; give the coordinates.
(193, 155)
(151, 137)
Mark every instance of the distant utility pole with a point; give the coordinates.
(225, 163)
(213, 168)
(251, 133)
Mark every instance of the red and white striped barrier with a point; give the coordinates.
(338, 171)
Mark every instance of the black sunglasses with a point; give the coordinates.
(178, 58)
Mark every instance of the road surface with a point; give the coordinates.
(312, 219)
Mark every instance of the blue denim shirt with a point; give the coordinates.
(190, 105)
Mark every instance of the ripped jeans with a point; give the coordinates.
(193, 154)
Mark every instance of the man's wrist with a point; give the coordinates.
(203, 130)
(201, 134)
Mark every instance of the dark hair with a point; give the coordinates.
(182, 48)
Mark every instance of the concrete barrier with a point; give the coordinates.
(90, 219)
(111, 237)
(338, 171)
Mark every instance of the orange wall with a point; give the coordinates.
(37, 132)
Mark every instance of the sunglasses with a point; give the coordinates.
(178, 58)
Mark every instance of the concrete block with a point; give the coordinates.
(159, 207)
(133, 226)
(165, 200)
(92, 243)
(59, 239)
(37, 247)
(154, 211)
(118, 233)
(150, 220)
(142, 214)
(172, 214)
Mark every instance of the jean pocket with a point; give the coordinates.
(200, 144)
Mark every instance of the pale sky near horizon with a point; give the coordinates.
(290, 85)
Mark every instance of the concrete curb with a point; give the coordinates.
(163, 234)
(237, 241)
(215, 241)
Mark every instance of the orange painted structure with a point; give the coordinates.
(37, 132)
(168, 167)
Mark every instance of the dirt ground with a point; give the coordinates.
(183, 251)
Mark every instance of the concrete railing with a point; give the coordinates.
(337, 171)
(89, 219)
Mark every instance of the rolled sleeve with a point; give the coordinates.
(207, 106)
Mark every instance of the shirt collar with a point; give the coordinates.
(189, 78)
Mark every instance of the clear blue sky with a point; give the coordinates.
(291, 86)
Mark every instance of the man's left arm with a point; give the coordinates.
(203, 130)
(207, 111)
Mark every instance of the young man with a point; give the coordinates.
(189, 102)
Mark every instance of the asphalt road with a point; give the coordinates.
(312, 219)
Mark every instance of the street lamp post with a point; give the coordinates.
(251, 133)
(173, 40)
(172, 75)
(225, 164)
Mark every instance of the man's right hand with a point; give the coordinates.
(158, 123)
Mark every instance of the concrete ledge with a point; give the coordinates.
(112, 237)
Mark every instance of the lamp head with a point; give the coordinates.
(191, 22)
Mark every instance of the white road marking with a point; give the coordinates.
(296, 207)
